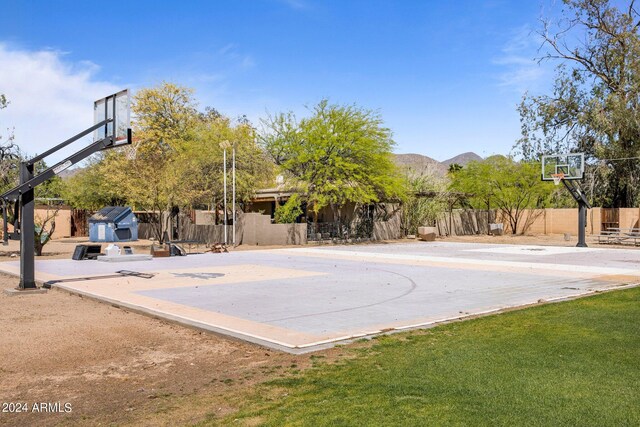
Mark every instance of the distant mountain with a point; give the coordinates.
(68, 173)
(420, 164)
(462, 159)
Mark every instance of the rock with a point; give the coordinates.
(496, 229)
(427, 234)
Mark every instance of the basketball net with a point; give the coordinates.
(557, 177)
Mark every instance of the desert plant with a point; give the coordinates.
(290, 211)
(44, 228)
(426, 200)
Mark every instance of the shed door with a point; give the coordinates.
(102, 232)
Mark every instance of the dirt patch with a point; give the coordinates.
(112, 366)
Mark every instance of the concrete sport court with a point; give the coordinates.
(304, 299)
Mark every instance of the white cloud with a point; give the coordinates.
(228, 48)
(51, 98)
(231, 55)
(521, 71)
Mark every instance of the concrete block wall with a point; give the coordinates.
(557, 221)
(62, 219)
(257, 230)
(539, 221)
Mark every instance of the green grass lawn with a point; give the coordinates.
(574, 363)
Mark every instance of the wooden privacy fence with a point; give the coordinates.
(80, 222)
(465, 222)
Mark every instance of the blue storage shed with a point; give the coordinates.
(113, 224)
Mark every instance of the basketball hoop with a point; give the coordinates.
(557, 177)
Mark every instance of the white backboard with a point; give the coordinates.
(569, 164)
(104, 109)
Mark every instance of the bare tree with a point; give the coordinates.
(9, 159)
(45, 227)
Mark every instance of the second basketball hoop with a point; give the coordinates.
(557, 178)
(569, 169)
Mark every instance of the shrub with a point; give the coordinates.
(290, 211)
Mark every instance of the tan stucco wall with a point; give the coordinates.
(257, 229)
(542, 221)
(62, 219)
(559, 221)
(629, 218)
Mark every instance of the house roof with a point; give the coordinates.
(270, 194)
(110, 214)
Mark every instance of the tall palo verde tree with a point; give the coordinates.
(339, 154)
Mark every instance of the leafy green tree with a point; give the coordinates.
(175, 160)
(9, 166)
(595, 102)
(91, 188)
(511, 187)
(141, 175)
(163, 117)
(290, 211)
(9, 162)
(427, 198)
(337, 155)
(199, 163)
(475, 180)
(51, 188)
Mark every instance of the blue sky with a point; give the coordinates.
(445, 75)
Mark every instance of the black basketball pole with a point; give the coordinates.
(583, 205)
(5, 225)
(27, 230)
(23, 195)
(582, 224)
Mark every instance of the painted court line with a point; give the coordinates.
(532, 250)
(520, 265)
